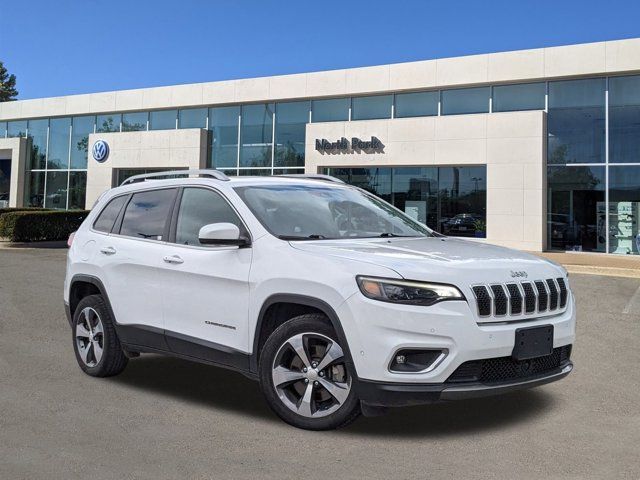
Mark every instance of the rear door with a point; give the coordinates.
(205, 288)
(131, 262)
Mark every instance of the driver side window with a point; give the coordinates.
(200, 207)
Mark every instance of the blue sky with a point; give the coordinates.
(65, 47)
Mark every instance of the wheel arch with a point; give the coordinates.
(82, 286)
(305, 303)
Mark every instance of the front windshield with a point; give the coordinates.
(298, 212)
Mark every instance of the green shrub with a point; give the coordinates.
(40, 225)
(21, 209)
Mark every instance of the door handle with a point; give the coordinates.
(108, 250)
(175, 259)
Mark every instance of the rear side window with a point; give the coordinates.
(200, 207)
(104, 222)
(147, 214)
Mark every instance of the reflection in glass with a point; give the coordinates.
(576, 210)
(56, 196)
(522, 96)
(420, 104)
(34, 191)
(624, 120)
(82, 127)
(368, 108)
(465, 100)
(37, 135)
(288, 171)
(624, 210)
(17, 129)
(256, 135)
(108, 123)
(163, 120)
(415, 192)
(192, 118)
(463, 201)
(451, 200)
(291, 120)
(254, 172)
(134, 122)
(59, 132)
(330, 110)
(77, 190)
(5, 182)
(3, 129)
(223, 124)
(576, 121)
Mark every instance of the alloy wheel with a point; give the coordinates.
(310, 376)
(90, 337)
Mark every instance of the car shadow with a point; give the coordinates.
(224, 389)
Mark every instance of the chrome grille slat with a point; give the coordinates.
(516, 299)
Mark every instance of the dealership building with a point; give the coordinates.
(533, 149)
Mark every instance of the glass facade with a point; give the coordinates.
(450, 200)
(593, 153)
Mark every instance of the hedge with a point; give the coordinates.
(40, 225)
(21, 209)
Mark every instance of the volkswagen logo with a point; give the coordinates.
(100, 151)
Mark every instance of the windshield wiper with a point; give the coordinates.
(314, 236)
(389, 234)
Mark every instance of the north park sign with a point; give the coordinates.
(349, 146)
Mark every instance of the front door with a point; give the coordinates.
(206, 288)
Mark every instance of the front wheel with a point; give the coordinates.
(306, 376)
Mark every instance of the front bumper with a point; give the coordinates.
(382, 394)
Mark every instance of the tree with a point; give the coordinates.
(8, 90)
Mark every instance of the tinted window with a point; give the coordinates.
(576, 121)
(331, 110)
(366, 108)
(108, 123)
(105, 220)
(223, 123)
(291, 120)
(420, 104)
(147, 214)
(134, 122)
(200, 207)
(624, 119)
(465, 100)
(163, 120)
(256, 135)
(525, 96)
(192, 118)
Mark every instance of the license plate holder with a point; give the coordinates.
(532, 342)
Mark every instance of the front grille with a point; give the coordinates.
(503, 369)
(529, 298)
(499, 300)
(543, 297)
(563, 292)
(515, 299)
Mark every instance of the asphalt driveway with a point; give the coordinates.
(168, 418)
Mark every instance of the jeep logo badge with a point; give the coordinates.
(520, 274)
(100, 151)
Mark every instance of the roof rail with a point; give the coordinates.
(312, 176)
(209, 172)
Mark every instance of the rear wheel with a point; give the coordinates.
(306, 376)
(95, 342)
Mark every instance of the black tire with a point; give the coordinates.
(113, 360)
(318, 324)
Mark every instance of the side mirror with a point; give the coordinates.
(222, 234)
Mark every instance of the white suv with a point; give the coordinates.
(337, 302)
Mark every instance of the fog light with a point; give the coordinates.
(414, 360)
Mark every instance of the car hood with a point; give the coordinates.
(439, 259)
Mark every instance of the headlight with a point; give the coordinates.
(407, 292)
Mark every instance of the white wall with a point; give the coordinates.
(512, 145)
(154, 149)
